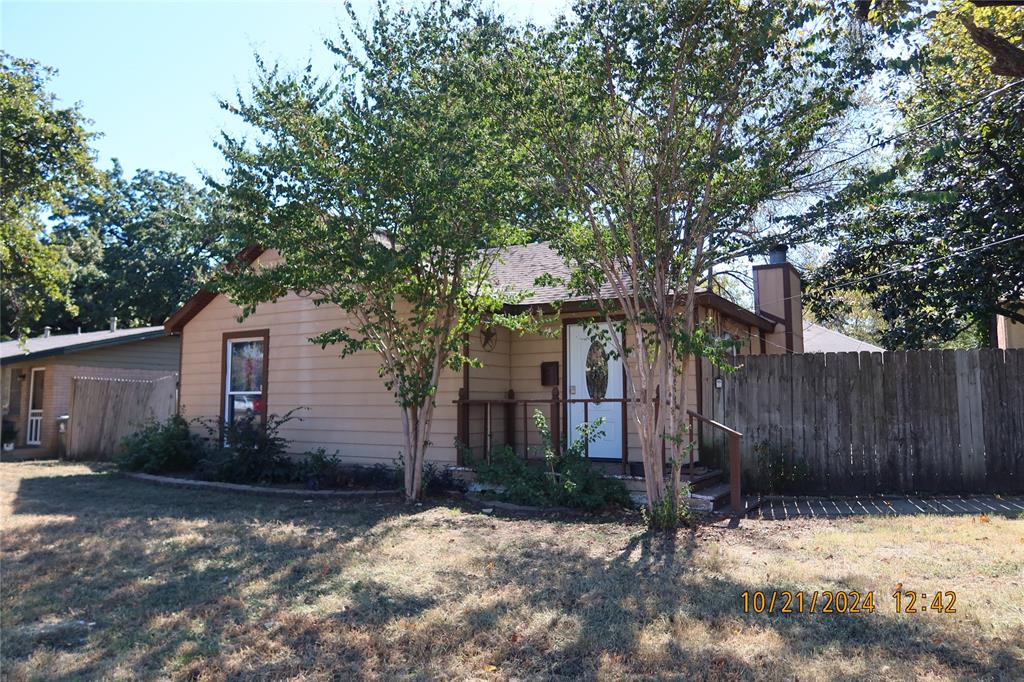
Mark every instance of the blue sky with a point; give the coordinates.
(149, 74)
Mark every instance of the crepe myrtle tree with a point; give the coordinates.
(388, 191)
(674, 132)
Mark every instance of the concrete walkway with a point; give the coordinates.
(779, 508)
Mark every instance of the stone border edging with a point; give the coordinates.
(259, 489)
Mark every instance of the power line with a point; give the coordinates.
(964, 252)
(914, 129)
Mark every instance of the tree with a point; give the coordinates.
(44, 154)
(934, 237)
(137, 248)
(674, 131)
(387, 194)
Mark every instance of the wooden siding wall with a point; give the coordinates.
(857, 423)
(105, 411)
(347, 407)
(160, 353)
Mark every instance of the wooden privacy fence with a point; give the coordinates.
(104, 411)
(851, 423)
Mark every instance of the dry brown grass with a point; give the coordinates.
(110, 578)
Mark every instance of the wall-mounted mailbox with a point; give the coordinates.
(549, 374)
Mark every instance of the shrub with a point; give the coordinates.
(320, 470)
(436, 479)
(663, 515)
(249, 453)
(160, 447)
(566, 479)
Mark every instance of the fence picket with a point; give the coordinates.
(917, 421)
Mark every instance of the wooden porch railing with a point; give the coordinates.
(735, 465)
(555, 406)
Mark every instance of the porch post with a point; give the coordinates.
(510, 420)
(462, 416)
(556, 422)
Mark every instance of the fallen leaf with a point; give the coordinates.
(490, 668)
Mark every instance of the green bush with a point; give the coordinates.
(566, 479)
(161, 447)
(249, 452)
(663, 515)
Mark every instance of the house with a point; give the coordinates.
(38, 377)
(818, 339)
(266, 365)
(1008, 333)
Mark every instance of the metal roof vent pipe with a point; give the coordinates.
(777, 255)
(46, 332)
(113, 324)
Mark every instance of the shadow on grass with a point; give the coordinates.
(186, 583)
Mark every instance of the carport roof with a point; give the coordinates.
(62, 344)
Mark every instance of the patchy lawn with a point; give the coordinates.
(111, 578)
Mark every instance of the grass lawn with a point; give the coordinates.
(104, 577)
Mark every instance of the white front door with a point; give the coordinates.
(594, 376)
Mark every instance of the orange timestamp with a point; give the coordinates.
(808, 602)
(905, 601)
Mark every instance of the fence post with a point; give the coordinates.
(735, 472)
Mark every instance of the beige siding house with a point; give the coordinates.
(266, 365)
(37, 379)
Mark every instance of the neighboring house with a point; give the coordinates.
(266, 365)
(1008, 333)
(37, 378)
(818, 339)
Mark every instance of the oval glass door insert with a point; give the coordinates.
(597, 371)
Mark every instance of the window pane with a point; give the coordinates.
(242, 407)
(246, 366)
(37, 389)
(12, 391)
(597, 371)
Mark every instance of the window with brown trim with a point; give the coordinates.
(244, 369)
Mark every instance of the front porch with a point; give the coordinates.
(485, 424)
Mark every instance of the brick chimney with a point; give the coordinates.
(777, 294)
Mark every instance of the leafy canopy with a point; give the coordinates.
(137, 248)
(933, 236)
(44, 155)
(386, 190)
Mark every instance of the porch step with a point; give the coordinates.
(700, 479)
(710, 498)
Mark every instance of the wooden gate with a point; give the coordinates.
(851, 423)
(104, 411)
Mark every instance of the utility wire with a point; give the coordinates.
(914, 129)
(841, 285)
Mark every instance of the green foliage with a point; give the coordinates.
(912, 232)
(566, 479)
(387, 192)
(44, 154)
(251, 452)
(318, 470)
(673, 132)
(161, 447)
(137, 248)
(668, 514)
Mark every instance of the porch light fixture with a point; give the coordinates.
(488, 338)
